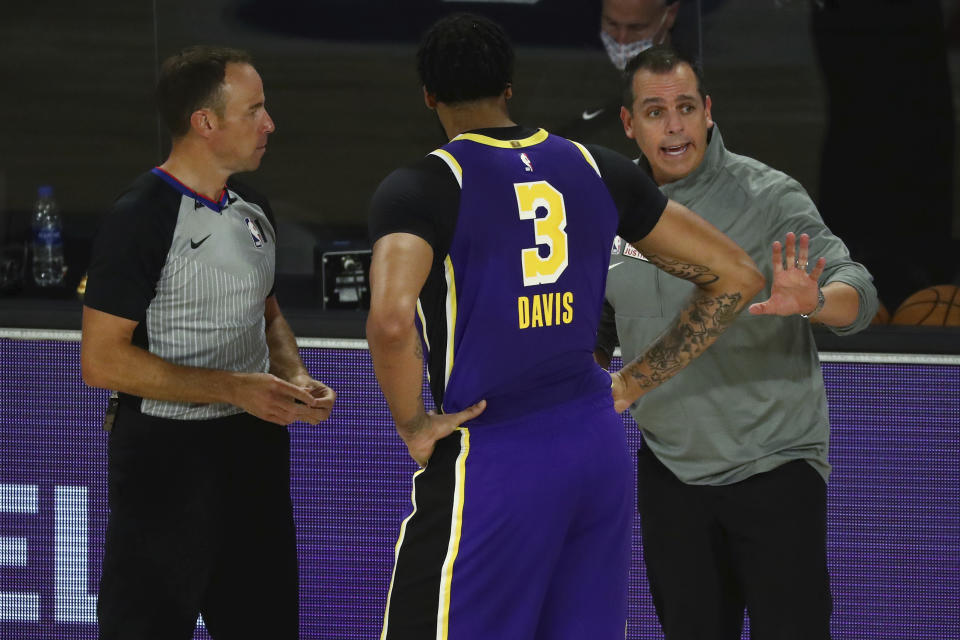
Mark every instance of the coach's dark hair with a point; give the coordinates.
(659, 59)
(193, 79)
(465, 57)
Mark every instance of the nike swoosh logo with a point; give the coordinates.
(194, 245)
(614, 266)
(590, 115)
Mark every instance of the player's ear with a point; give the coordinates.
(429, 99)
(508, 92)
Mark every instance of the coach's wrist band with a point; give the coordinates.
(820, 302)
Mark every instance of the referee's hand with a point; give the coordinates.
(275, 400)
(323, 399)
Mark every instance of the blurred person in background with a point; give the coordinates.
(627, 27)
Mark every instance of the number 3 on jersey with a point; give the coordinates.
(548, 230)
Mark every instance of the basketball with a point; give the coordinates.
(937, 306)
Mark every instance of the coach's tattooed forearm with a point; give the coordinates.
(695, 273)
(695, 329)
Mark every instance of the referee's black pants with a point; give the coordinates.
(710, 551)
(201, 521)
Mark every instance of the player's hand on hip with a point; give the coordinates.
(794, 290)
(422, 440)
(275, 400)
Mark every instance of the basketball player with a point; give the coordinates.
(495, 248)
(732, 491)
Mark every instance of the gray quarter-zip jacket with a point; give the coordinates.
(755, 399)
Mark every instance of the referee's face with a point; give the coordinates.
(241, 137)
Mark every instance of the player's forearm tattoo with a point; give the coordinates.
(414, 425)
(695, 273)
(697, 326)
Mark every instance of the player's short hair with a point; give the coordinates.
(659, 59)
(193, 79)
(465, 57)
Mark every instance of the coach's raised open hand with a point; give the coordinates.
(794, 290)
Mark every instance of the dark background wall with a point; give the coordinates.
(77, 79)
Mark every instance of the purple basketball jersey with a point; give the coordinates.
(516, 320)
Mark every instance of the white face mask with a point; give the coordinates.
(621, 54)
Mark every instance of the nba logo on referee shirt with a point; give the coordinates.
(255, 232)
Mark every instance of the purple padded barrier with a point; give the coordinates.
(894, 499)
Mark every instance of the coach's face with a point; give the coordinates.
(669, 121)
(242, 122)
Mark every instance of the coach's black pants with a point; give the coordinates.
(710, 551)
(200, 521)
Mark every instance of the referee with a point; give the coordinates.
(181, 319)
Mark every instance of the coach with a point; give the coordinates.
(732, 474)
